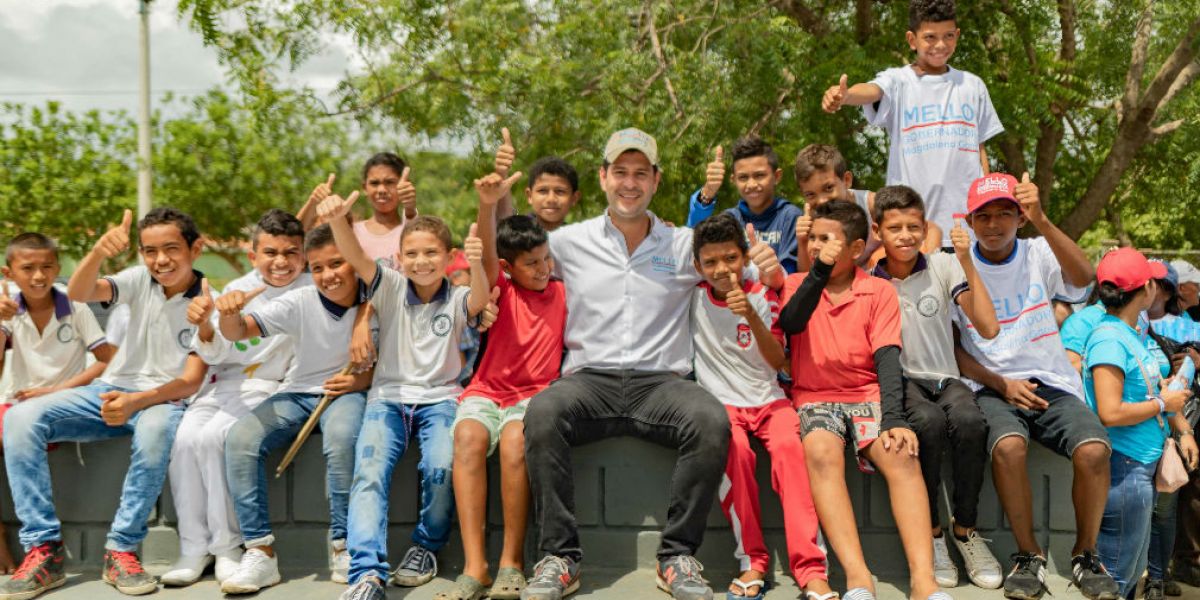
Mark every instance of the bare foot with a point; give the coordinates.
(820, 587)
(747, 576)
(7, 564)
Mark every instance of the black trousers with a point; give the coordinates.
(591, 405)
(944, 413)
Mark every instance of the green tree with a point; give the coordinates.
(1088, 90)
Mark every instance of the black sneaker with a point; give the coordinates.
(123, 570)
(1089, 575)
(1171, 588)
(41, 571)
(1027, 580)
(554, 577)
(1153, 590)
(418, 567)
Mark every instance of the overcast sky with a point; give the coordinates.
(85, 54)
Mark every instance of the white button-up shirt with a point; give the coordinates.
(626, 311)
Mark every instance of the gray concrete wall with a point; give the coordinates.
(620, 500)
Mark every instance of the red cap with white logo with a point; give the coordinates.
(989, 188)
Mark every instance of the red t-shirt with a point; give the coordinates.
(833, 359)
(525, 345)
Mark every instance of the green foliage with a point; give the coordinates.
(562, 74)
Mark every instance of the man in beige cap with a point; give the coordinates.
(629, 280)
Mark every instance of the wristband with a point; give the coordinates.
(1162, 406)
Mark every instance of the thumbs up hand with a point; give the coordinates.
(714, 175)
(505, 154)
(473, 246)
(231, 303)
(831, 250)
(804, 225)
(1028, 197)
(736, 300)
(494, 186)
(487, 318)
(762, 255)
(335, 207)
(407, 193)
(960, 239)
(8, 306)
(201, 307)
(835, 96)
(115, 241)
(322, 191)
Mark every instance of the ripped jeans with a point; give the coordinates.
(386, 429)
(1124, 541)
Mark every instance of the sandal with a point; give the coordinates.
(746, 585)
(826, 596)
(465, 588)
(510, 581)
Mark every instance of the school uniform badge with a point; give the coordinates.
(928, 305)
(184, 338)
(441, 325)
(743, 335)
(65, 333)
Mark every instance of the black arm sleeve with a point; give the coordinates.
(891, 387)
(794, 316)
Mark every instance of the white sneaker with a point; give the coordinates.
(982, 566)
(339, 562)
(944, 570)
(187, 570)
(227, 564)
(255, 572)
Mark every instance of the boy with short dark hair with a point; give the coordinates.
(939, 406)
(243, 374)
(421, 320)
(319, 320)
(822, 175)
(756, 174)
(48, 334)
(491, 410)
(937, 117)
(1024, 383)
(739, 351)
(845, 328)
(139, 393)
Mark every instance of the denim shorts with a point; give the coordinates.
(1065, 425)
(853, 422)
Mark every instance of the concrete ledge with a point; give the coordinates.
(620, 501)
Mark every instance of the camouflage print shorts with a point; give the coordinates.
(857, 422)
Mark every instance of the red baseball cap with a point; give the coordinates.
(1128, 269)
(989, 188)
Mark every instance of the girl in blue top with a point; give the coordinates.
(1124, 385)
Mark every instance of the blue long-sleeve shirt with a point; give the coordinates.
(776, 225)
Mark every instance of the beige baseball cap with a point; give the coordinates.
(1187, 272)
(631, 139)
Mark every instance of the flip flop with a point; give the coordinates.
(509, 583)
(465, 588)
(746, 585)
(825, 596)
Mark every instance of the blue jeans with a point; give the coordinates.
(386, 429)
(1124, 539)
(275, 423)
(1162, 534)
(74, 416)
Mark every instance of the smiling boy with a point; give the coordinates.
(138, 394)
(937, 117)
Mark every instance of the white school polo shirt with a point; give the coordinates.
(320, 331)
(927, 299)
(729, 362)
(623, 311)
(260, 363)
(55, 354)
(1028, 345)
(158, 338)
(419, 361)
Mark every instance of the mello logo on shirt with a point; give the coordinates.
(1024, 319)
(664, 264)
(929, 127)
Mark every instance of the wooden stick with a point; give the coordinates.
(305, 431)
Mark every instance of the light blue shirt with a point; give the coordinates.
(1115, 343)
(1079, 327)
